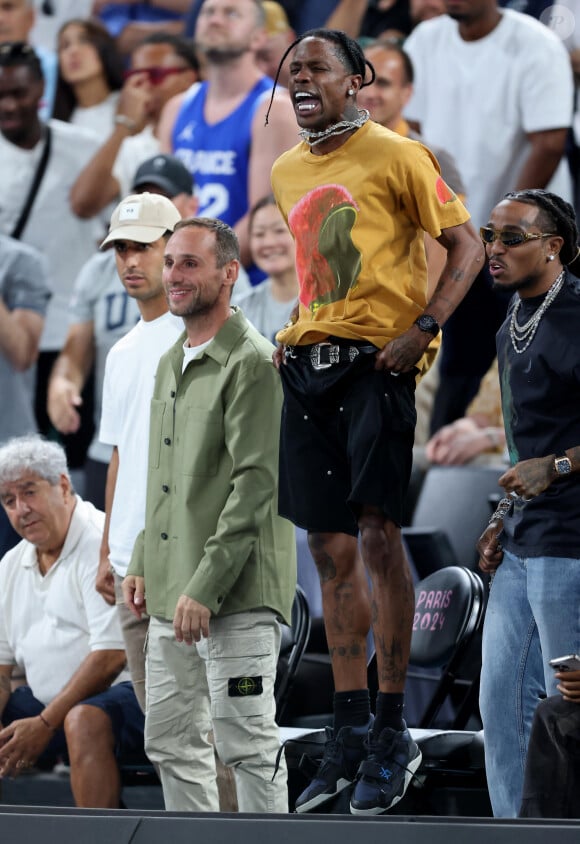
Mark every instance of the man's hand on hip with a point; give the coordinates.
(402, 353)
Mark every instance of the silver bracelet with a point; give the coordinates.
(123, 120)
(501, 509)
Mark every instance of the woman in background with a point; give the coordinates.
(269, 304)
(90, 75)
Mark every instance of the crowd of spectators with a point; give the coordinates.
(93, 94)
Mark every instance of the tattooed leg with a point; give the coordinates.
(345, 604)
(392, 600)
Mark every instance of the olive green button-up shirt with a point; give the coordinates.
(212, 531)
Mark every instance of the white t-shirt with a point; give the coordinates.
(191, 352)
(478, 99)
(64, 239)
(134, 151)
(129, 380)
(567, 25)
(49, 624)
(99, 297)
(97, 118)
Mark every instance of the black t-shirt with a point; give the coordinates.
(396, 18)
(541, 405)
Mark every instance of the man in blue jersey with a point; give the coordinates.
(217, 127)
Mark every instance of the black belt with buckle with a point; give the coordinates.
(326, 354)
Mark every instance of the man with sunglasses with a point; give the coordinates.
(511, 134)
(532, 543)
(161, 67)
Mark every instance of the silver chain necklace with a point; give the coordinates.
(524, 334)
(314, 138)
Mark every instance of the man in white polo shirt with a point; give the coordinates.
(57, 630)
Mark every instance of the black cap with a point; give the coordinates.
(166, 172)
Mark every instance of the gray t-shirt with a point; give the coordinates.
(263, 311)
(23, 284)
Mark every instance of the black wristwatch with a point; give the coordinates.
(428, 324)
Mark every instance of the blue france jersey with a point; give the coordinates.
(218, 155)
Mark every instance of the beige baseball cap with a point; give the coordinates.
(276, 18)
(142, 217)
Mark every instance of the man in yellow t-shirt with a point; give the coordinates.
(358, 199)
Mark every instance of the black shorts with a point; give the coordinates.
(346, 442)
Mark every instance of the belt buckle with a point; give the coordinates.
(333, 355)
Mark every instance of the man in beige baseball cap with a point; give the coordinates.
(143, 218)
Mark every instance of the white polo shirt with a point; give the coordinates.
(50, 623)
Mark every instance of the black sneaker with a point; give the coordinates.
(337, 770)
(383, 778)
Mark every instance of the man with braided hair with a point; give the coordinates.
(358, 199)
(532, 615)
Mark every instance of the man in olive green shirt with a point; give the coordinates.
(215, 567)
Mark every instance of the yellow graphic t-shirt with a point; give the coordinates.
(358, 215)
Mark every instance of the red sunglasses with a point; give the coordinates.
(156, 75)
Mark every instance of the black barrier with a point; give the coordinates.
(96, 827)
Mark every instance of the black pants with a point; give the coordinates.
(468, 348)
(552, 777)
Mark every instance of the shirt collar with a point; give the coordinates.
(223, 343)
(74, 535)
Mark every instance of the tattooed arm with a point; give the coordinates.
(464, 261)
(529, 478)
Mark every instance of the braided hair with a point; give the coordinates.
(346, 49)
(555, 213)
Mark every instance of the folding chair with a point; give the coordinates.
(293, 645)
(449, 610)
(429, 549)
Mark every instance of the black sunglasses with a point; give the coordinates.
(509, 238)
